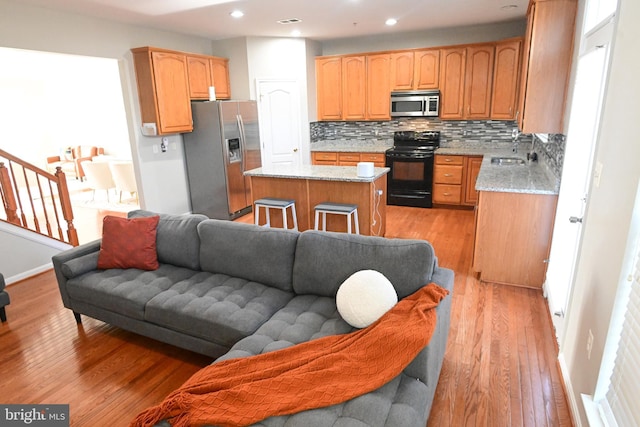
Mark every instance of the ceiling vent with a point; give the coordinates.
(289, 21)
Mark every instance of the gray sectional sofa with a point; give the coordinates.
(227, 290)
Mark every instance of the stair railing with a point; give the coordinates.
(35, 199)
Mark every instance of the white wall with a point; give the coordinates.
(609, 210)
(24, 253)
(162, 176)
(418, 39)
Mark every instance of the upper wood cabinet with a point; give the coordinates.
(415, 70)
(452, 72)
(329, 88)
(402, 72)
(426, 69)
(378, 94)
(220, 77)
(163, 89)
(505, 80)
(354, 88)
(478, 82)
(547, 56)
(199, 76)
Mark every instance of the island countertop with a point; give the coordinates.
(317, 172)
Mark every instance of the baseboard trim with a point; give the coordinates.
(568, 388)
(26, 274)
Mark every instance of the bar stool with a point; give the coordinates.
(273, 203)
(350, 211)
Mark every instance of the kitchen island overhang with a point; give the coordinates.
(310, 185)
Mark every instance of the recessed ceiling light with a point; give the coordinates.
(509, 7)
(237, 14)
(391, 21)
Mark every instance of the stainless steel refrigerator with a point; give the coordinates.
(225, 143)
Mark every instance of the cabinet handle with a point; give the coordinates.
(448, 174)
(447, 160)
(447, 194)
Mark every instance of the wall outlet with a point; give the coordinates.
(597, 174)
(589, 344)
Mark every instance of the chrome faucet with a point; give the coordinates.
(515, 133)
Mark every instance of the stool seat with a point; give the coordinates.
(349, 210)
(275, 203)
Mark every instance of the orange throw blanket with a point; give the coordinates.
(314, 374)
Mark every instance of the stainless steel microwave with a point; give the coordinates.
(415, 104)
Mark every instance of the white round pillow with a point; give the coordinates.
(364, 297)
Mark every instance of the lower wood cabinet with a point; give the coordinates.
(454, 180)
(333, 158)
(513, 237)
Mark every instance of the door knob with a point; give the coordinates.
(575, 219)
(295, 150)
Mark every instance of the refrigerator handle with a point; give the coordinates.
(243, 148)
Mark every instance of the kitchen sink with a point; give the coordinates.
(507, 161)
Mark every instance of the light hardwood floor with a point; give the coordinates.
(499, 369)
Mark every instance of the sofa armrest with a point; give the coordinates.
(76, 259)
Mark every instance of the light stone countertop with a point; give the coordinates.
(317, 172)
(353, 145)
(532, 177)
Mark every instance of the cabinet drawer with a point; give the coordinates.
(322, 155)
(449, 160)
(447, 194)
(446, 174)
(349, 157)
(372, 157)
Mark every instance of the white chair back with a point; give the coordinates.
(124, 177)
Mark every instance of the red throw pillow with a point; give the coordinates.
(129, 243)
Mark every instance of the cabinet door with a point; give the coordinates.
(550, 33)
(354, 88)
(378, 93)
(220, 77)
(473, 169)
(478, 82)
(172, 92)
(427, 69)
(452, 67)
(505, 80)
(329, 88)
(199, 76)
(402, 72)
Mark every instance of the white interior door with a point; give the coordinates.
(280, 121)
(576, 178)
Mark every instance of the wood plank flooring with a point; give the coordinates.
(499, 369)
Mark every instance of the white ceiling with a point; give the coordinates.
(320, 19)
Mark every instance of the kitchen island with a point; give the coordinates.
(310, 185)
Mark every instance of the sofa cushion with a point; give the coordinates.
(260, 254)
(216, 307)
(126, 292)
(128, 243)
(324, 260)
(302, 319)
(177, 238)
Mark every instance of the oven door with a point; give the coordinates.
(410, 179)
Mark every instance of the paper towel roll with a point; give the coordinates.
(365, 169)
(212, 93)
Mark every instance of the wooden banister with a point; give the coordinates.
(33, 199)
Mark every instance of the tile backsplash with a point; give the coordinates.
(453, 133)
